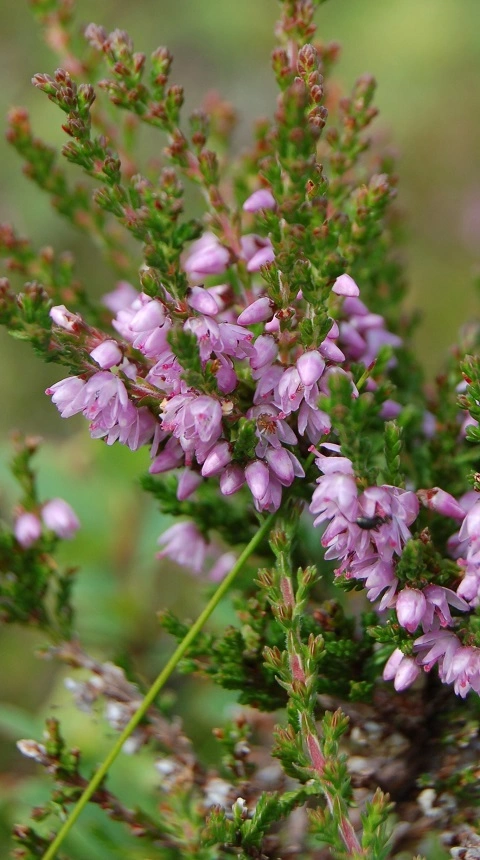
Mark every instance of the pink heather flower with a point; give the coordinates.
(257, 250)
(64, 318)
(207, 418)
(184, 544)
(471, 525)
(378, 576)
(59, 517)
(107, 354)
(410, 608)
(121, 297)
(226, 377)
(261, 199)
(206, 257)
(202, 301)
(310, 367)
(258, 311)
(187, 484)
(105, 398)
(222, 566)
(403, 670)
(27, 529)
(231, 480)
(439, 599)
(265, 351)
(441, 502)
(219, 457)
(271, 430)
(284, 465)
(363, 333)
(313, 422)
(258, 478)
(390, 409)
(150, 327)
(68, 395)
(345, 286)
(170, 458)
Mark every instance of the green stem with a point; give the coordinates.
(154, 690)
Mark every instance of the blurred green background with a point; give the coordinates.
(426, 57)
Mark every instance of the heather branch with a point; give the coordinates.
(303, 752)
(154, 690)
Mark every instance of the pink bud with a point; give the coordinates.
(265, 351)
(390, 409)
(264, 255)
(187, 484)
(222, 566)
(310, 367)
(121, 297)
(107, 354)
(330, 350)
(207, 257)
(345, 286)
(64, 318)
(169, 458)
(202, 301)
(149, 316)
(261, 199)
(281, 465)
(258, 479)
(59, 517)
(392, 664)
(403, 669)
(28, 529)
(218, 458)
(231, 480)
(442, 502)
(410, 608)
(407, 673)
(258, 311)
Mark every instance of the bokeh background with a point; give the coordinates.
(426, 57)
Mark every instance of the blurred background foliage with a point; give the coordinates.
(426, 57)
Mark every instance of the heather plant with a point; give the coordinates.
(262, 353)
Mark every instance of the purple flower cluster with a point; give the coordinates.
(196, 429)
(367, 532)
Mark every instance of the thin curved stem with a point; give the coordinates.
(155, 689)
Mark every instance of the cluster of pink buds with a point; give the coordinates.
(56, 515)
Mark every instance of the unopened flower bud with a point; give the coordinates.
(218, 458)
(231, 480)
(202, 301)
(310, 367)
(258, 479)
(261, 199)
(150, 316)
(187, 484)
(59, 517)
(438, 500)
(345, 286)
(258, 311)
(410, 608)
(64, 318)
(27, 529)
(107, 354)
(404, 670)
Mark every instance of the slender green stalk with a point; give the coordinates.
(156, 687)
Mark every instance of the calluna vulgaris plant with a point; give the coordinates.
(262, 354)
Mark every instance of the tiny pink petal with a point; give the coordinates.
(345, 286)
(261, 199)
